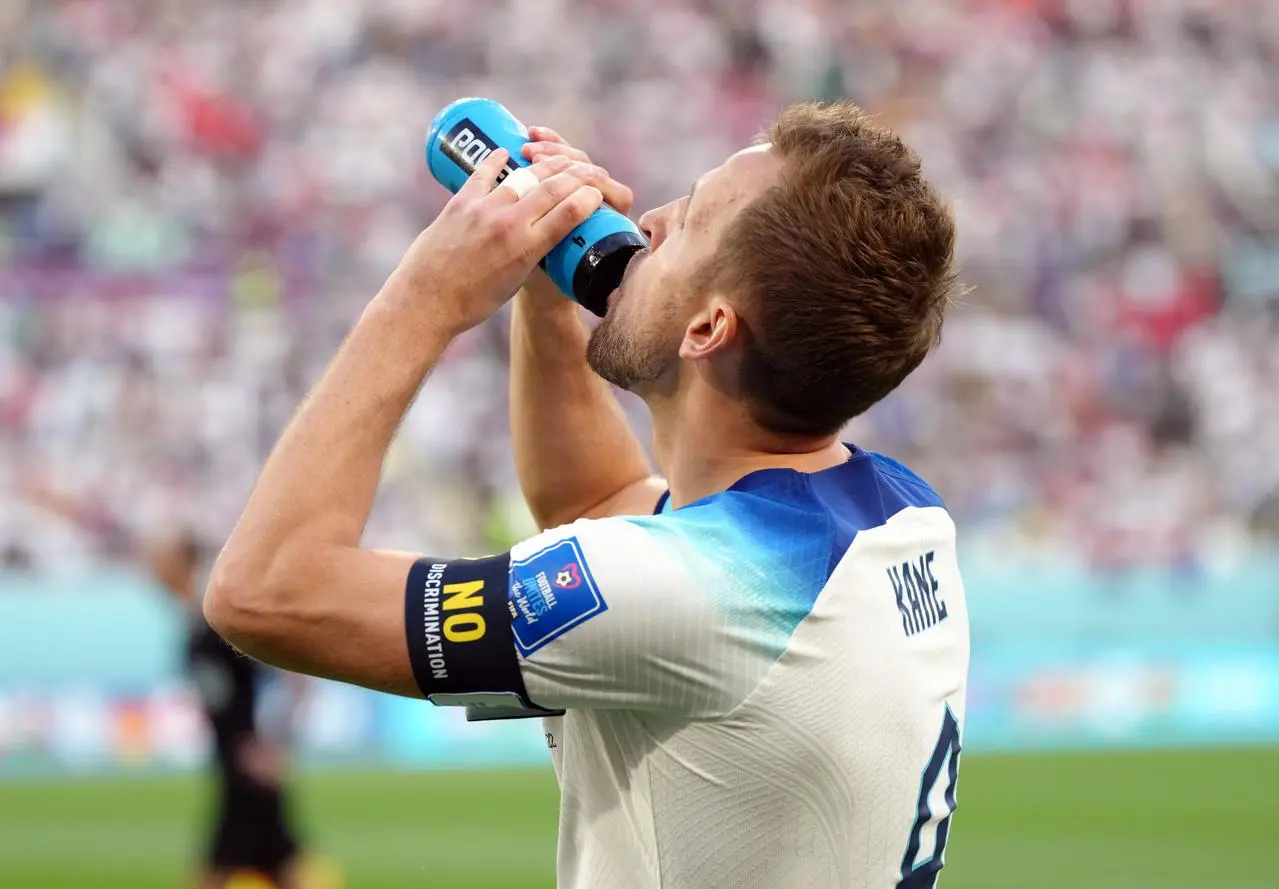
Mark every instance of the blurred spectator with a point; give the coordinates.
(196, 199)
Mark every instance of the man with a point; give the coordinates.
(251, 831)
(752, 672)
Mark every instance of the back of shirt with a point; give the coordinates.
(761, 689)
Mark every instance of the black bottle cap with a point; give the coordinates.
(600, 269)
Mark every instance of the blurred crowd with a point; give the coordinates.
(197, 198)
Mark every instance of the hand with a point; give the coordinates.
(487, 240)
(546, 143)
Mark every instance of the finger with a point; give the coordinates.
(516, 185)
(538, 202)
(545, 134)
(565, 216)
(535, 150)
(480, 182)
(617, 195)
(549, 166)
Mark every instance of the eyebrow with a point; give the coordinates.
(691, 189)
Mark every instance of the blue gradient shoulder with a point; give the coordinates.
(760, 557)
(765, 548)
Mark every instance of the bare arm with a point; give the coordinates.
(575, 453)
(292, 586)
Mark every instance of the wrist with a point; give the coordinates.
(553, 332)
(544, 305)
(419, 308)
(540, 289)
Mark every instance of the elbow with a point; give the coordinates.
(545, 502)
(225, 606)
(245, 607)
(551, 510)
(548, 514)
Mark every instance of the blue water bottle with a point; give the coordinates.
(588, 264)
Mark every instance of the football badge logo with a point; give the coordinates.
(568, 577)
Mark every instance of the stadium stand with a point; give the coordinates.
(196, 199)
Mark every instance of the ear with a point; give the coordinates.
(711, 330)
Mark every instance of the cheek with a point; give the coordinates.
(652, 303)
(681, 274)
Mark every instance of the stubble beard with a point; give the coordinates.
(625, 361)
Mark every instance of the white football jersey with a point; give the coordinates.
(764, 688)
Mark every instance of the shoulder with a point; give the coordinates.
(778, 513)
(774, 536)
(906, 486)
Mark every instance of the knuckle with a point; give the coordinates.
(559, 186)
(496, 227)
(545, 169)
(585, 204)
(462, 208)
(502, 226)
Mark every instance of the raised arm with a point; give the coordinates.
(292, 586)
(575, 453)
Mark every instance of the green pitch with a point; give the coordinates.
(1176, 820)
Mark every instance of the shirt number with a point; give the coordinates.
(924, 852)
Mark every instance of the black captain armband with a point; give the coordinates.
(461, 644)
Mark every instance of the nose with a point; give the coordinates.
(656, 223)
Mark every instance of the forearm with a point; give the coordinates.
(317, 488)
(573, 446)
(293, 587)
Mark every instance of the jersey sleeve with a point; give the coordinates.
(682, 613)
(614, 614)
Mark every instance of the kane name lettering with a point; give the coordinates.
(918, 594)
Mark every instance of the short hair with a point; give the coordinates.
(845, 267)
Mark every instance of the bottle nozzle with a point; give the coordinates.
(601, 269)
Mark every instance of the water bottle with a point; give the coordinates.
(588, 264)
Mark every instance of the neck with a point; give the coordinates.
(703, 448)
